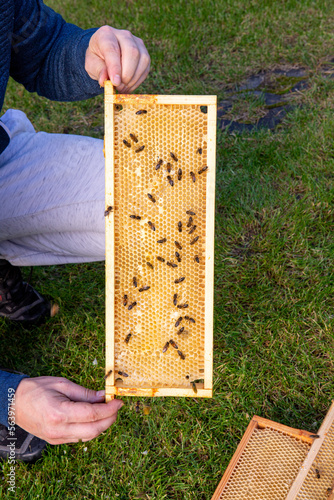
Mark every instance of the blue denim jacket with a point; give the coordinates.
(43, 52)
(46, 54)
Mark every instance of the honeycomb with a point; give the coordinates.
(160, 196)
(320, 479)
(267, 467)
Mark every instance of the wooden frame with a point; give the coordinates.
(258, 423)
(112, 388)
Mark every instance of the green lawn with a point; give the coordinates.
(274, 286)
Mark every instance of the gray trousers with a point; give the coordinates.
(51, 196)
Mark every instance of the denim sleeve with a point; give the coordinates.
(8, 386)
(48, 54)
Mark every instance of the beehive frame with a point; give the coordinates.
(303, 469)
(163, 120)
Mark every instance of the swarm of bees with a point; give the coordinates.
(163, 166)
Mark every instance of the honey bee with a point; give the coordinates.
(175, 299)
(317, 472)
(180, 353)
(203, 169)
(190, 212)
(179, 174)
(150, 197)
(193, 177)
(181, 330)
(137, 407)
(127, 143)
(177, 244)
(158, 165)
(190, 222)
(179, 226)
(173, 344)
(170, 180)
(144, 288)
(108, 211)
(131, 306)
(134, 138)
(127, 338)
(150, 265)
(194, 240)
(191, 320)
(196, 259)
(183, 306)
(171, 264)
(136, 217)
(163, 240)
(141, 112)
(329, 492)
(173, 156)
(107, 374)
(178, 322)
(169, 167)
(125, 300)
(161, 259)
(165, 347)
(199, 151)
(134, 281)
(178, 256)
(122, 374)
(151, 225)
(194, 387)
(314, 436)
(192, 229)
(179, 280)
(138, 150)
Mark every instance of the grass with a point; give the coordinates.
(274, 289)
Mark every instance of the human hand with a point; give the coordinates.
(60, 411)
(119, 56)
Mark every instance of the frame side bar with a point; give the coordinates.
(209, 243)
(110, 240)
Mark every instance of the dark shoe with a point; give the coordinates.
(20, 445)
(19, 301)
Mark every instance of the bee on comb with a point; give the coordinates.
(134, 138)
(170, 180)
(127, 338)
(150, 197)
(194, 240)
(158, 165)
